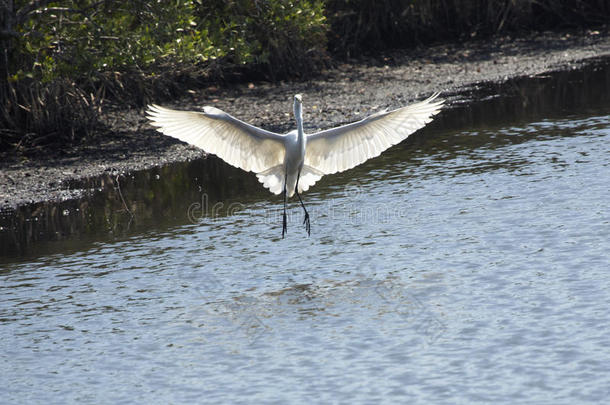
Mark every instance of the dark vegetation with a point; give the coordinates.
(62, 62)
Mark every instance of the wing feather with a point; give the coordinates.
(338, 149)
(236, 142)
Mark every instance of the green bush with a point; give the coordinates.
(283, 38)
(65, 58)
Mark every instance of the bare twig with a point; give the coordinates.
(118, 187)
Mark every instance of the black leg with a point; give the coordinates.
(306, 219)
(284, 223)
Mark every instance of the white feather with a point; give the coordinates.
(338, 149)
(236, 142)
(273, 179)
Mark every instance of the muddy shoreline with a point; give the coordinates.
(343, 94)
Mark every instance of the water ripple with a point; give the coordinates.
(474, 271)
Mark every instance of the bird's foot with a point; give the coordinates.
(307, 224)
(284, 226)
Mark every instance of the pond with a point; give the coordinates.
(469, 264)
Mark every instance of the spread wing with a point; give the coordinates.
(338, 149)
(236, 142)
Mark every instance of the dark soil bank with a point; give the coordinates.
(344, 94)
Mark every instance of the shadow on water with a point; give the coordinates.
(118, 206)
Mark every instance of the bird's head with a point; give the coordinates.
(298, 107)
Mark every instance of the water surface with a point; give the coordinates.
(472, 267)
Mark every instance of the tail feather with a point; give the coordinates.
(273, 179)
(309, 177)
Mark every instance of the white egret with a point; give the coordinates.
(291, 163)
